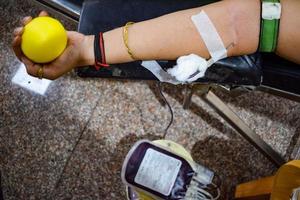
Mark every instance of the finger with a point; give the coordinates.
(43, 14)
(26, 20)
(18, 31)
(33, 68)
(29, 65)
(50, 73)
(16, 45)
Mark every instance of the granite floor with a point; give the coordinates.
(70, 143)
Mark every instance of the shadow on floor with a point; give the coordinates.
(231, 161)
(248, 102)
(1, 192)
(177, 94)
(94, 171)
(222, 156)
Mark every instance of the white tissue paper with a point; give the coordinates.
(188, 68)
(26, 81)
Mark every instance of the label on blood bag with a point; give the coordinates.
(158, 172)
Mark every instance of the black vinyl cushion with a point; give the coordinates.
(281, 74)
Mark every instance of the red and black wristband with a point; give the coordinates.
(99, 51)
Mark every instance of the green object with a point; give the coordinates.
(269, 32)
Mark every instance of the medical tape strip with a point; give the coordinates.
(212, 41)
(210, 36)
(159, 73)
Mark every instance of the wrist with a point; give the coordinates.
(87, 51)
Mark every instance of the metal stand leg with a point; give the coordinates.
(188, 93)
(239, 125)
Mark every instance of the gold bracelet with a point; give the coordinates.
(125, 39)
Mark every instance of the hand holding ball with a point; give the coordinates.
(44, 39)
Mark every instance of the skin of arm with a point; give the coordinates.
(289, 32)
(171, 36)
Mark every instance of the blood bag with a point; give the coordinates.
(162, 174)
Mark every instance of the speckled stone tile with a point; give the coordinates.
(276, 120)
(129, 112)
(293, 151)
(70, 144)
(37, 133)
(94, 169)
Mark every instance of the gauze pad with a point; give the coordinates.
(192, 67)
(187, 66)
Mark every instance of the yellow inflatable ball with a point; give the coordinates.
(43, 39)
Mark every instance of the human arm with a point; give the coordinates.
(71, 57)
(174, 35)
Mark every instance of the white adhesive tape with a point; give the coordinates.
(184, 72)
(159, 73)
(210, 36)
(271, 10)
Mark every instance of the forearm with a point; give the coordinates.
(289, 31)
(173, 35)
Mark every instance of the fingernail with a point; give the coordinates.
(18, 30)
(26, 19)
